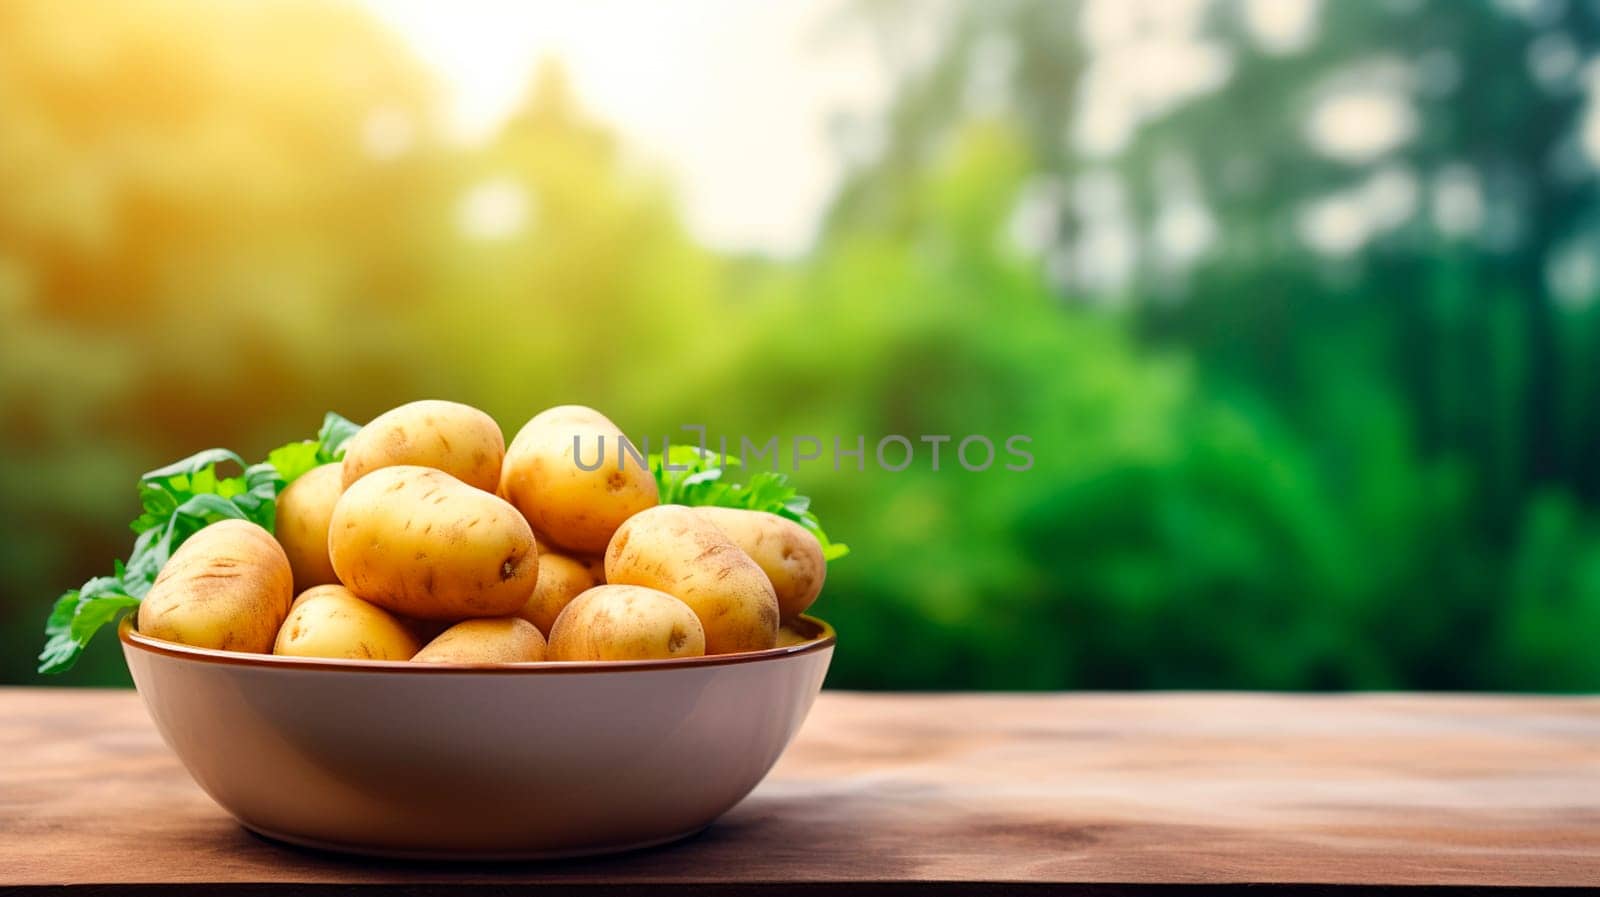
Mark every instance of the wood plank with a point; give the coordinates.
(975, 793)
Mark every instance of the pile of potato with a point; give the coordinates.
(435, 542)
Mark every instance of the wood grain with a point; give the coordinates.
(970, 794)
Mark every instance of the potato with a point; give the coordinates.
(228, 586)
(419, 542)
(561, 579)
(675, 550)
(626, 623)
(497, 640)
(330, 621)
(424, 631)
(597, 568)
(449, 436)
(786, 551)
(302, 525)
(788, 636)
(578, 509)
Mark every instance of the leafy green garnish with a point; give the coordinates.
(296, 458)
(331, 439)
(697, 479)
(178, 501)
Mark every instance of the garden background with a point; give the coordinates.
(1296, 301)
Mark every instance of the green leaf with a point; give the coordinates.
(194, 465)
(176, 502)
(97, 612)
(700, 481)
(297, 458)
(331, 439)
(259, 500)
(75, 618)
(60, 651)
(209, 508)
(61, 614)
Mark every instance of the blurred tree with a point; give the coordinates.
(1161, 539)
(1396, 203)
(1494, 149)
(1380, 231)
(568, 277)
(1308, 401)
(204, 242)
(199, 242)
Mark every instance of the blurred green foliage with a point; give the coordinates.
(1278, 467)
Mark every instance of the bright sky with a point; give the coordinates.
(733, 98)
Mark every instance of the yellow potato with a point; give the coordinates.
(228, 586)
(449, 436)
(561, 579)
(424, 631)
(330, 621)
(302, 525)
(579, 509)
(788, 636)
(786, 551)
(496, 640)
(675, 550)
(597, 568)
(626, 623)
(419, 542)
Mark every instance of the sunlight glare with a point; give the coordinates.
(732, 99)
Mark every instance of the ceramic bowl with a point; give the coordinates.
(477, 761)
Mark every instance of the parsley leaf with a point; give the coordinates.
(697, 479)
(179, 500)
(335, 432)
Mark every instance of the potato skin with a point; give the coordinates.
(449, 436)
(561, 579)
(419, 542)
(578, 509)
(494, 640)
(626, 623)
(228, 586)
(675, 550)
(786, 551)
(330, 621)
(788, 636)
(304, 510)
(424, 631)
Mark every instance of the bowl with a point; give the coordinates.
(477, 761)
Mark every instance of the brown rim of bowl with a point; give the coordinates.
(825, 638)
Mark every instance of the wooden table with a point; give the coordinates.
(991, 794)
